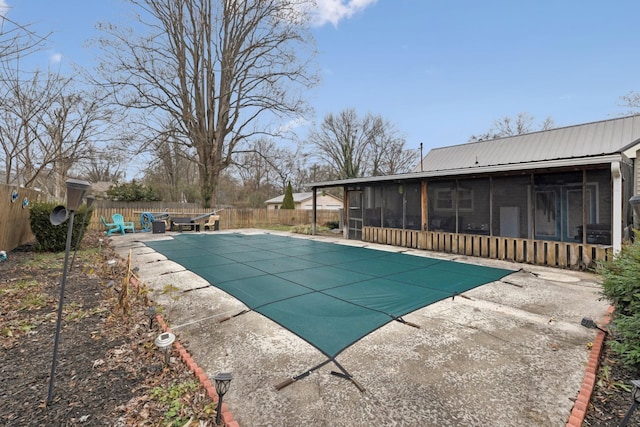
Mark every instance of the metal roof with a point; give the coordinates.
(572, 142)
(590, 143)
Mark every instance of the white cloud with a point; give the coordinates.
(4, 7)
(55, 58)
(334, 11)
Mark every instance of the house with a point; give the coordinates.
(305, 201)
(556, 197)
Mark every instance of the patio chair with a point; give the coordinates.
(213, 223)
(118, 219)
(110, 227)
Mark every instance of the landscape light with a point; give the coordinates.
(635, 395)
(223, 381)
(163, 342)
(590, 324)
(76, 190)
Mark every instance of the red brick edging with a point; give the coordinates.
(226, 417)
(579, 410)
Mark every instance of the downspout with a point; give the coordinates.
(616, 214)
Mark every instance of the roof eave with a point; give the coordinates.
(545, 164)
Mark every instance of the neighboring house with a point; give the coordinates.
(305, 201)
(525, 197)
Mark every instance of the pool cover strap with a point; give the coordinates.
(343, 374)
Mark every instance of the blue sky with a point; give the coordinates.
(441, 71)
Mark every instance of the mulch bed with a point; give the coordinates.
(108, 371)
(611, 398)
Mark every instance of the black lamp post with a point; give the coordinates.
(635, 394)
(76, 190)
(223, 381)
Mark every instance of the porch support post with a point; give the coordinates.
(314, 221)
(424, 205)
(345, 209)
(616, 220)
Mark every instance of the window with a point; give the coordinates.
(444, 200)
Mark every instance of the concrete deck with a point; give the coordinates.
(511, 354)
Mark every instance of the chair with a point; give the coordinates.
(111, 227)
(123, 225)
(213, 223)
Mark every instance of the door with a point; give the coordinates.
(356, 213)
(547, 214)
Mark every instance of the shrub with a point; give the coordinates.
(49, 237)
(287, 202)
(332, 225)
(621, 286)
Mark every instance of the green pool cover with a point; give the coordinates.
(330, 295)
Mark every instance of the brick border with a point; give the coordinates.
(581, 404)
(227, 416)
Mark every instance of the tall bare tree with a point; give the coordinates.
(354, 146)
(510, 126)
(225, 70)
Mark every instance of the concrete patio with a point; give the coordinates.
(509, 353)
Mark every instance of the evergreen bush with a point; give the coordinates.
(287, 202)
(621, 287)
(49, 237)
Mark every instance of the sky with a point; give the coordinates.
(440, 71)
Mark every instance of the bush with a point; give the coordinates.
(621, 286)
(49, 237)
(132, 192)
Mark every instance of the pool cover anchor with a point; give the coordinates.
(344, 374)
(347, 376)
(401, 320)
(224, 319)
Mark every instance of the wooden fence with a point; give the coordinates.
(539, 252)
(229, 218)
(15, 229)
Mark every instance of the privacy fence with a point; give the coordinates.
(14, 216)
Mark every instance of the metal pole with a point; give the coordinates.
(75, 249)
(59, 321)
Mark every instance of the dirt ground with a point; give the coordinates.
(108, 371)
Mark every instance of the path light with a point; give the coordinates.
(223, 381)
(151, 312)
(76, 190)
(635, 394)
(163, 342)
(590, 324)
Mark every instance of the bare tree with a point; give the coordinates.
(223, 70)
(354, 147)
(509, 126)
(18, 40)
(631, 101)
(46, 127)
(172, 172)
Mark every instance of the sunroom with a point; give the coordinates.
(558, 197)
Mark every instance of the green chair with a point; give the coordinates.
(123, 225)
